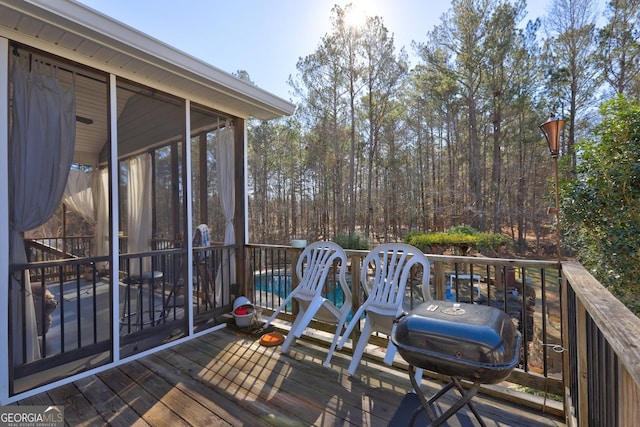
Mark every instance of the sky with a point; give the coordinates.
(266, 38)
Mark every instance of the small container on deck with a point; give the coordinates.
(243, 312)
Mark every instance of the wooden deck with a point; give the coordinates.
(228, 378)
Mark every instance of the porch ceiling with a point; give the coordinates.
(74, 31)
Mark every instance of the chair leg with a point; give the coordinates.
(300, 323)
(287, 342)
(359, 349)
(390, 353)
(305, 315)
(391, 348)
(291, 336)
(352, 324)
(278, 310)
(334, 342)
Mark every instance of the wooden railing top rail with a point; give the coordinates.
(616, 322)
(526, 263)
(48, 248)
(58, 263)
(264, 245)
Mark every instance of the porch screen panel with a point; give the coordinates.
(212, 173)
(207, 208)
(152, 215)
(151, 123)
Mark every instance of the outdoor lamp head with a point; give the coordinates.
(551, 129)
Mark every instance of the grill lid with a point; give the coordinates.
(469, 341)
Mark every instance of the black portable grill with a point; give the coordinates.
(463, 341)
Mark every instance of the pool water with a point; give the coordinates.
(272, 289)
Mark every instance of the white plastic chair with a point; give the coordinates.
(312, 269)
(389, 268)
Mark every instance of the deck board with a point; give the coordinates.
(111, 405)
(230, 410)
(78, 411)
(132, 390)
(226, 378)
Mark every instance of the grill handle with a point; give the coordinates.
(400, 316)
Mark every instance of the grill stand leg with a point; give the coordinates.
(425, 404)
(465, 399)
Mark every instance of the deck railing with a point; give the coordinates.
(527, 290)
(580, 343)
(48, 248)
(595, 371)
(603, 358)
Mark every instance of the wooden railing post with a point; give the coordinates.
(243, 278)
(356, 266)
(439, 280)
(583, 374)
(294, 277)
(565, 339)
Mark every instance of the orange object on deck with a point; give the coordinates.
(271, 339)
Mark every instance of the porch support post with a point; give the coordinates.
(114, 249)
(241, 216)
(203, 167)
(4, 217)
(188, 188)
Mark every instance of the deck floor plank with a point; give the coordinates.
(111, 408)
(261, 369)
(166, 392)
(38, 400)
(239, 409)
(330, 392)
(78, 411)
(237, 376)
(227, 378)
(145, 404)
(114, 410)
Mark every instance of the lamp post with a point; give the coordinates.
(551, 129)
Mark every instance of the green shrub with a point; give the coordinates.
(462, 229)
(355, 241)
(491, 241)
(600, 201)
(461, 239)
(410, 235)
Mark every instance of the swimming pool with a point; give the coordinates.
(271, 289)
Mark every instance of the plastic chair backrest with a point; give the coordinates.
(391, 264)
(315, 263)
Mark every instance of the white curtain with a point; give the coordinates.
(139, 212)
(78, 194)
(87, 194)
(42, 138)
(225, 171)
(101, 207)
